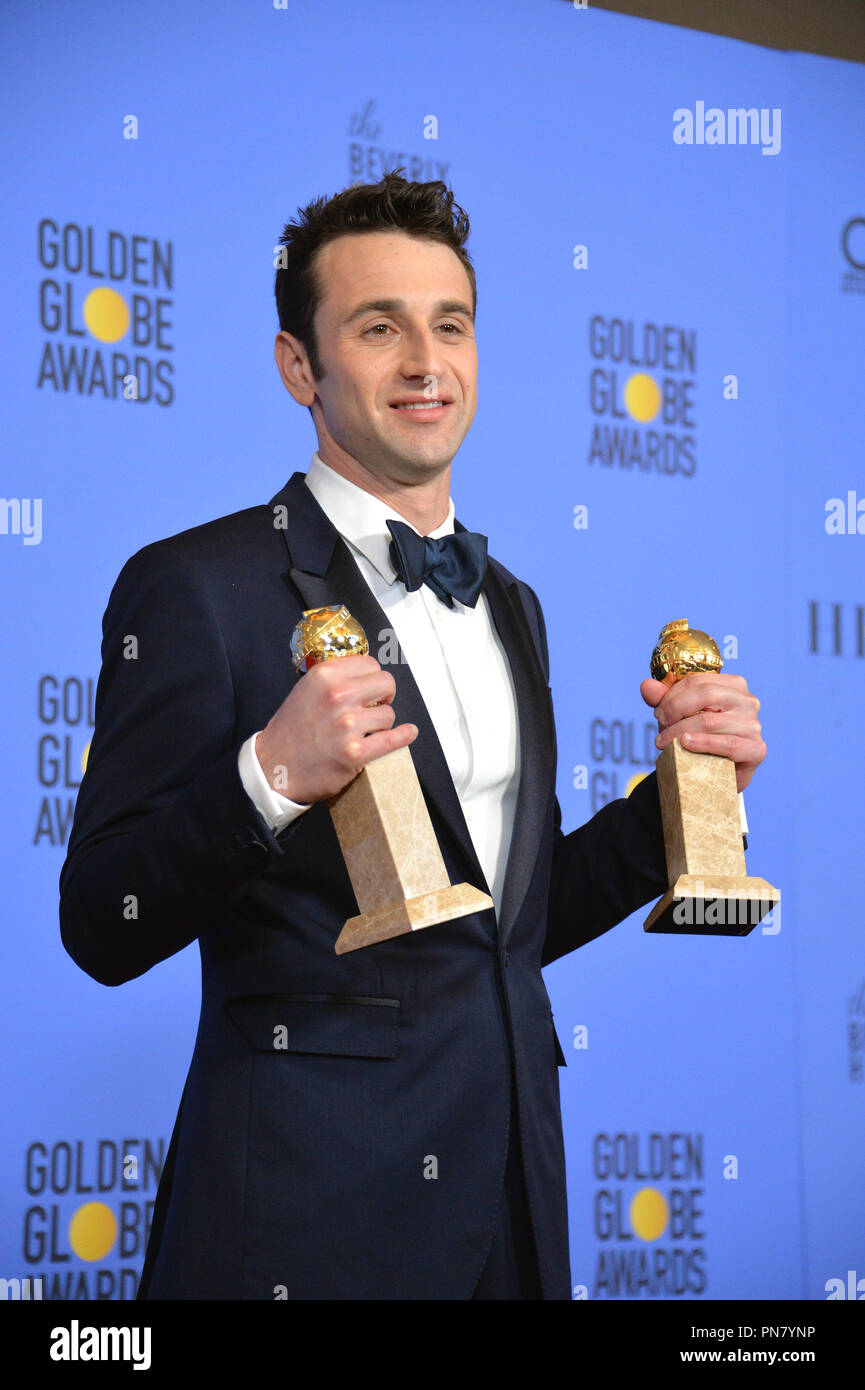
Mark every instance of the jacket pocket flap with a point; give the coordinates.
(342, 1025)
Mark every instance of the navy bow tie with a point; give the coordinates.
(453, 566)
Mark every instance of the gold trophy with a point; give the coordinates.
(381, 819)
(710, 893)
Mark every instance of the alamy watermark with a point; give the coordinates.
(706, 908)
(21, 516)
(736, 126)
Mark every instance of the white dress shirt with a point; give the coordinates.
(458, 662)
(461, 670)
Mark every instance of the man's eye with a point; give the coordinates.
(372, 328)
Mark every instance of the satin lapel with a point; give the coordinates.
(537, 745)
(323, 571)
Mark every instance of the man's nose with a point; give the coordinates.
(422, 354)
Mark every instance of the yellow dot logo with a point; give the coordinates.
(632, 781)
(106, 315)
(642, 397)
(92, 1231)
(649, 1214)
(84, 756)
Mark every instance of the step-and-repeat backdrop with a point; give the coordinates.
(669, 235)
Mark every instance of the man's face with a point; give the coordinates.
(394, 326)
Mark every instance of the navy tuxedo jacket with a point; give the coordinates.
(306, 1170)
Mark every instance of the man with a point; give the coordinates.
(382, 1124)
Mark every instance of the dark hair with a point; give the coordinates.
(421, 209)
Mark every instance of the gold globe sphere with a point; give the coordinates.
(681, 650)
(325, 633)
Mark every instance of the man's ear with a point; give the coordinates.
(293, 365)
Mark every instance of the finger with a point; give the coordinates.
(653, 691)
(378, 689)
(706, 691)
(354, 667)
(354, 725)
(749, 750)
(739, 722)
(365, 686)
(376, 745)
(707, 677)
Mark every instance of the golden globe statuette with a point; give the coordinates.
(710, 893)
(381, 819)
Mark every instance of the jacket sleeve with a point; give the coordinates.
(163, 831)
(606, 869)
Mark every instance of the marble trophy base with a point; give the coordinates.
(712, 905)
(710, 893)
(393, 858)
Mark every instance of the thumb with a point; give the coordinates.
(653, 691)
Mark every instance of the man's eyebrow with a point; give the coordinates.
(394, 306)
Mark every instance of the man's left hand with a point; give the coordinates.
(710, 714)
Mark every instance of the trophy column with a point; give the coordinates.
(710, 892)
(381, 820)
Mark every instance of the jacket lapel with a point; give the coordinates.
(323, 571)
(537, 739)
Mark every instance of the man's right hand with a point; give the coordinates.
(337, 718)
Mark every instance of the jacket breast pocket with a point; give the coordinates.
(336, 1025)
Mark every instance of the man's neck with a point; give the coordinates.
(425, 505)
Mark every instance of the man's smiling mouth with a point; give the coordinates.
(424, 408)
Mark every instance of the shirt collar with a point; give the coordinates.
(359, 517)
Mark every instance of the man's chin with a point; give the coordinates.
(429, 455)
(425, 465)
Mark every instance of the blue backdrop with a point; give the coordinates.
(671, 337)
